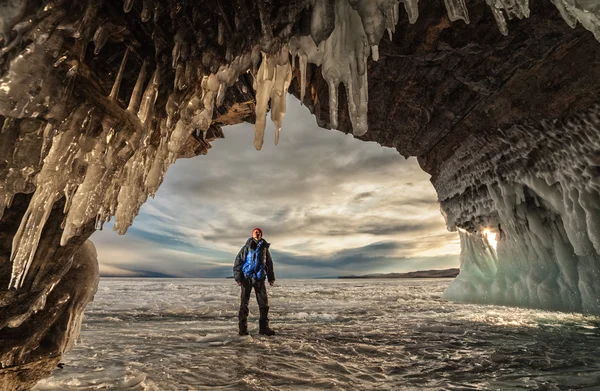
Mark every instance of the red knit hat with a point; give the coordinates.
(257, 229)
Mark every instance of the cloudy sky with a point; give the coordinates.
(329, 205)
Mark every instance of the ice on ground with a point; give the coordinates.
(372, 334)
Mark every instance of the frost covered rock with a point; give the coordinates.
(37, 329)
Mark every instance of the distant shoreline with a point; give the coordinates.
(445, 273)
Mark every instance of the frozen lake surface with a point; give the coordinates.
(179, 334)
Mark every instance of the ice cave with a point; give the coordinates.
(498, 100)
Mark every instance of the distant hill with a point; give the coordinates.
(445, 273)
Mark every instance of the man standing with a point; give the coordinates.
(252, 266)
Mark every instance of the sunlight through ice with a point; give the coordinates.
(490, 237)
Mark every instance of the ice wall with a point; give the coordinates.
(538, 189)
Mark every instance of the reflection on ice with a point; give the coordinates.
(144, 334)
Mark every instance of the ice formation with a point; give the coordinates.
(586, 12)
(95, 108)
(104, 152)
(457, 9)
(59, 306)
(356, 31)
(271, 83)
(544, 212)
(512, 9)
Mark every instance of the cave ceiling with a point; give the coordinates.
(435, 82)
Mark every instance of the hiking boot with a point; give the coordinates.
(243, 328)
(267, 331)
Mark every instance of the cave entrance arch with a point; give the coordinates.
(500, 107)
(330, 204)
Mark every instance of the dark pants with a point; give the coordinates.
(261, 297)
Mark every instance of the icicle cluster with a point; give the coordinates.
(271, 83)
(102, 157)
(585, 12)
(342, 38)
(538, 189)
(120, 167)
(512, 8)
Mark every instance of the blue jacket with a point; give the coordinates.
(254, 261)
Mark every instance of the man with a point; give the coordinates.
(252, 266)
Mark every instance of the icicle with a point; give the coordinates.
(514, 8)
(102, 162)
(457, 9)
(221, 94)
(49, 132)
(210, 88)
(281, 82)
(302, 61)
(565, 12)
(391, 18)
(157, 167)
(183, 81)
(114, 93)
(171, 108)
(89, 19)
(588, 14)
(149, 98)
(131, 195)
(146, 11)
(412, 10)
(189, 73)
(179, 75)
(500, 21)
(306, 50)
(100, 38)
(263, 84)
(344, 61)
(136, 95)
(179, 38)
(51, 180)
(333, 103)
(372, 16)
(127, 5)
(375, 52)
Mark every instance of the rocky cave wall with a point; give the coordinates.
(497, 99)
(507, 127)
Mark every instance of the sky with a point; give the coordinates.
(329, 204)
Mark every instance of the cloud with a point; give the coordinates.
(317, 194)
(371, 259)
